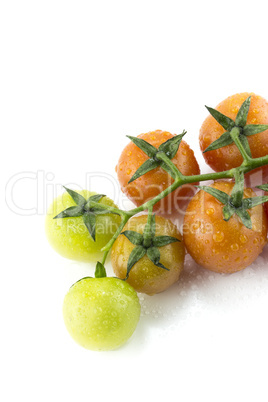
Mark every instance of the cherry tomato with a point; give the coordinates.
(229, 156)
(145, 277)
(152, 183)
(70, 237)
(101, 313)
(218, 245)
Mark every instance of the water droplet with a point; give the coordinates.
(256, 240)
(243, 238)
(237, 259)
(262, 240)
(226, 257)
(128, 171)
(210, 211)
(218, 237)
(129, 153)
(235, 247)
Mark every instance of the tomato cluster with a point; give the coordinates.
(224, 227)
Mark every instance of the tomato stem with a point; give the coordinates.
(235, 133)
(238, 190)
(147, 234)
(247, 165)
(109, 245)
(173, 169)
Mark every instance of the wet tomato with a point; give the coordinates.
(229, 156)
(70, 237)
(218, 245)
(101, 313)
(145, 277)
(152, 183)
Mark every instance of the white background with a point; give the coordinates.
(76, 77)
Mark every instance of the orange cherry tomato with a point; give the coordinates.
(152, 183)
(145, 277)
(218, 245)
(229, 156)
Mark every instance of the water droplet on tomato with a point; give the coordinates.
(243, 238)
(218, 237)
(235, 247)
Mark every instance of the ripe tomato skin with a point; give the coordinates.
(152, 183)
(101, 313)
(229, 157)
(217, 245)
(70, 237)
(145, 277)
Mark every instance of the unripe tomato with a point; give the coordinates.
(152, 183)
(101, 313)
(145, 277)
(218, 245)
(229, 156)
(70, 237)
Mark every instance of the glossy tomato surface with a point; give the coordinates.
(70, 237)
(145, 277)
(101, 313)
(218, 245)
(152, 183)
(229, 156)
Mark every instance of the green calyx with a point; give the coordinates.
(89, 210)
(263, 187)
(147, 244)
(235, 203)
(238, 125)
(169, 148)
(100, 271)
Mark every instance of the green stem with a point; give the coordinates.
(113, 210)
(178, 182)
(147, 233)
(163, 157)
(247, 165)
(109, 245)
(105, 254)
(238, 190)
(255, 163)
(235, 132)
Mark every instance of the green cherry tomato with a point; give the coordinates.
(70, 237)
(101, 313)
